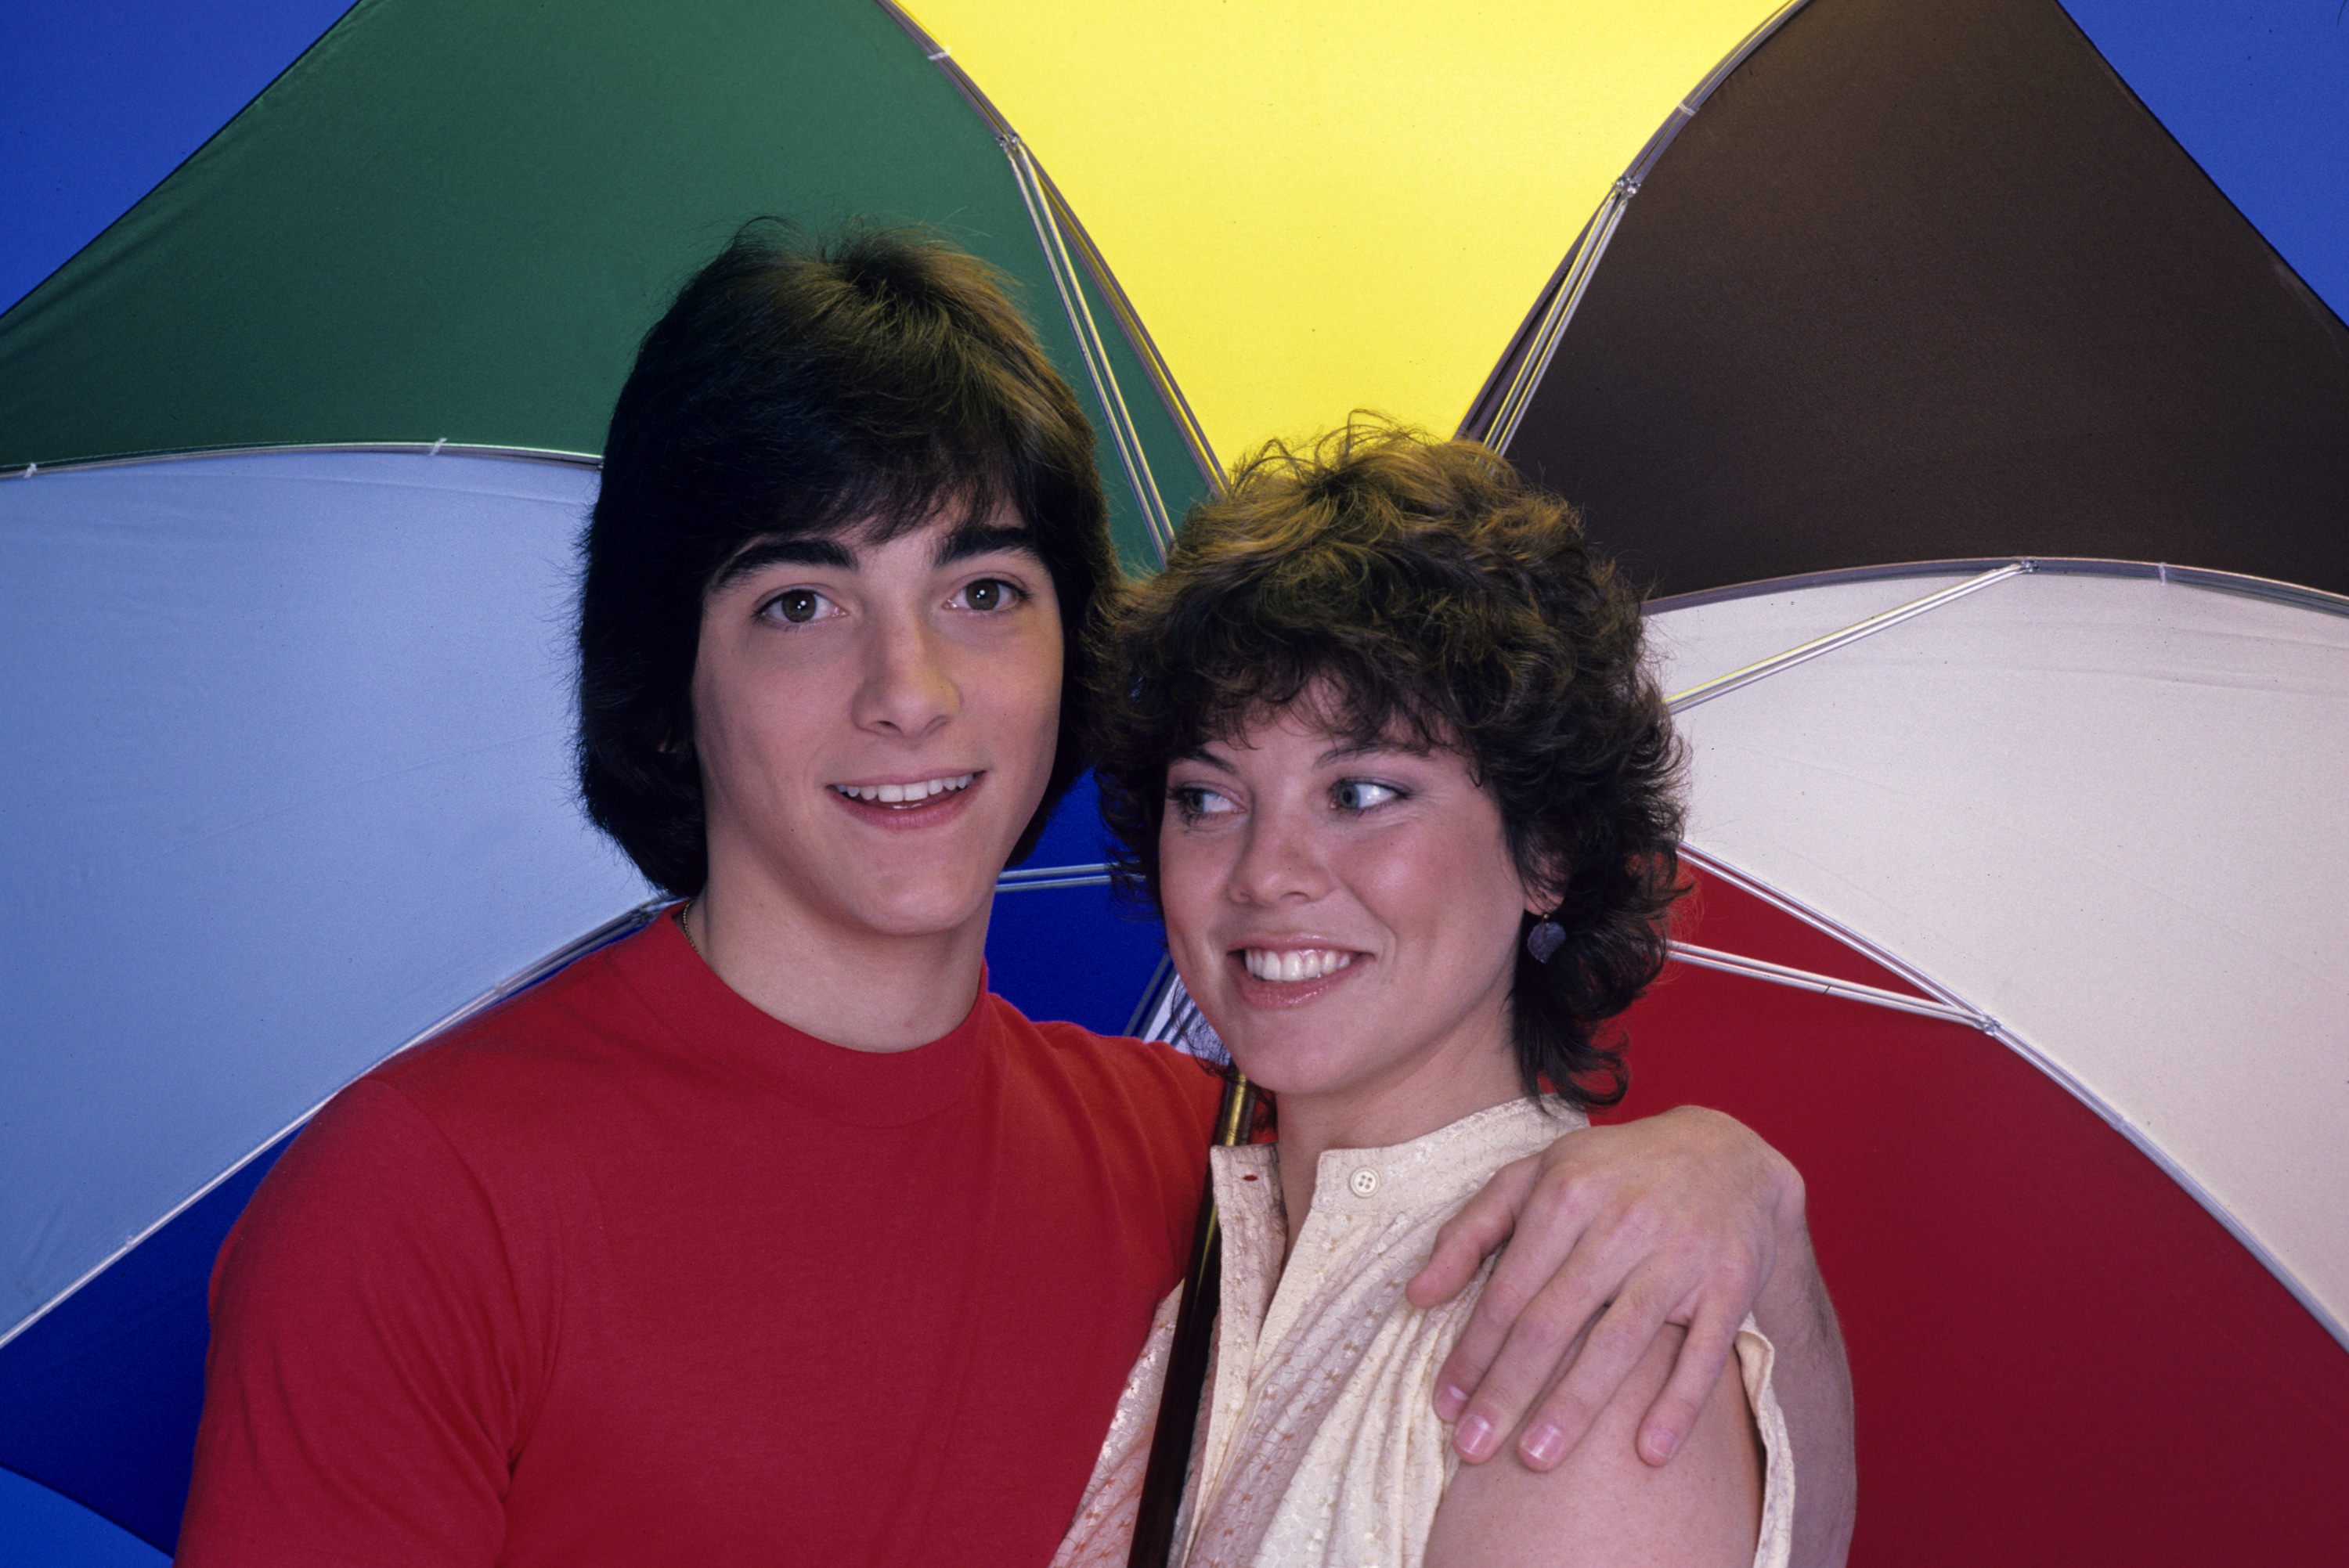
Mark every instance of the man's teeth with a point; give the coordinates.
(898, 794)
(1306, 964)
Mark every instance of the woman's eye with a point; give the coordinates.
(1362, 794)
(1194, 802)
(988, 594)
(798, 605)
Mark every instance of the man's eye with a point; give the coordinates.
(1362, 794)
(797, 605)
(990, 593)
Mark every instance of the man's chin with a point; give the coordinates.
(928, 913)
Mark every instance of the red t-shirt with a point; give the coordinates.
(627, 1272)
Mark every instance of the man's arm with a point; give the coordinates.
(1686, 1218)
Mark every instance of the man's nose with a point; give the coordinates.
(907, 687)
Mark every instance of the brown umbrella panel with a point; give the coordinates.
(1925, 281)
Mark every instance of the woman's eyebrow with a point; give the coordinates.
(1346, 751)
(1201, 754)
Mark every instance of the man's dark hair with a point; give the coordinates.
(802, 388)
(1431, 597)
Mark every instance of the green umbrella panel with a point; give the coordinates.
(452, 223)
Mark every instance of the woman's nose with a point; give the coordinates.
(1278, 862)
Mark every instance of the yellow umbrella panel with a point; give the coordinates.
(1313, 207)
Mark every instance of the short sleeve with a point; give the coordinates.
(367, 1384)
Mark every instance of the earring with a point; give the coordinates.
(1544, 940)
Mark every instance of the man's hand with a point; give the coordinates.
(1678, 1219)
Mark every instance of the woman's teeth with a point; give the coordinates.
(1309, 964)
(899, 794)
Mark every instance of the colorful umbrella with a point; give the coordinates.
(444, 226)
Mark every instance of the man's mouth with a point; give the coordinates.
(914, 794)
(1301, 963)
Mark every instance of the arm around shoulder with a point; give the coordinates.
(363, 1386)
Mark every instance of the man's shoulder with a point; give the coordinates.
(581, 1026)
(1149, 1074)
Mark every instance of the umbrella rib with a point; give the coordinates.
(440, 449)
(1722, 686)
(2111, 1115)
(1094, 875)
(1714, 866)
(1122, 434)
(1574, 280)
(1826, 985)
(1154, 367)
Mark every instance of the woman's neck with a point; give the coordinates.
(1436, 1092)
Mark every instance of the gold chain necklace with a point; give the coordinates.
(682, 911)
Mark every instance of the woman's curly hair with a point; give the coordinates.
(1441, 600)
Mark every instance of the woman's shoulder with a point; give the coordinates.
(1725, 1498)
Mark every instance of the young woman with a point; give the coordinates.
(1381, 746)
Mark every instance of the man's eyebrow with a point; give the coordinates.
(762, 553)
(976, 538)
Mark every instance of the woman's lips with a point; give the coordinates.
(1291, 977)
(1294, 962)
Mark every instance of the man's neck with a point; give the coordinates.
(872, 993)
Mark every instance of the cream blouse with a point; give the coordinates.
(1320, 1443)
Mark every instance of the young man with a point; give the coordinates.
(763, 1234)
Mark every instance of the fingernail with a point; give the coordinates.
(1542, 1446)
(1450, 1401)
(1474, 1438)
(1663, 1444)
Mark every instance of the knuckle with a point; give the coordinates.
(1547, 1325)
(1735, 1271)
(1504, 1300)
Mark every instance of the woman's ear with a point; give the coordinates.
(1545, 889)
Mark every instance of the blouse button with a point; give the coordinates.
(1366, 1181)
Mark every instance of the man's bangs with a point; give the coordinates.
(892, 494)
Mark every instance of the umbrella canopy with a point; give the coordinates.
(1914, 359)
(448, 227)
(2087, 809)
